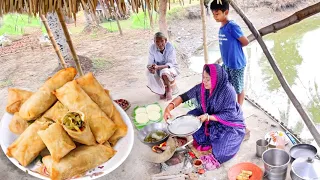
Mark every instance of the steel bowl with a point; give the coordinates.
(143, 133)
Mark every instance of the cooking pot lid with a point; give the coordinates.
(306, 168)
(184, 125)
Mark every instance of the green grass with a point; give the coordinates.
(141, 19)
(5, 83)
(100, 63)
(136, 21)
(15, 24)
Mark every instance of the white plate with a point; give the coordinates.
(184, 125)
(276, 134)
(123, 148)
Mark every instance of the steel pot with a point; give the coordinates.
(305, 169)
(276, 163)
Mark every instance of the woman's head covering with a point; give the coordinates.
(219, 78)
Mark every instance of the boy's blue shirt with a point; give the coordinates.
(230, 47)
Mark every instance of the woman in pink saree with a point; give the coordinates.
(223, 127)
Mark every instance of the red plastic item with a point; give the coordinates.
(192, 155)
(201, 171)
(235, 170)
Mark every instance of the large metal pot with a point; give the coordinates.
(305, 169)
(276, 163)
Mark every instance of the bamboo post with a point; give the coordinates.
(53, 41)
(204, 32)
(150, 12)
(281, 78)
(117, 19)
(69, 41)
(293, 19)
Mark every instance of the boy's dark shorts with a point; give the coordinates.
(236, 78)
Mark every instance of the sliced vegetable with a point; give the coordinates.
(73, 121)
(154, 115)
(142, 118)
(153, 107)
(141, 110)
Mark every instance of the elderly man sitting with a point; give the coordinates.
(162, 67)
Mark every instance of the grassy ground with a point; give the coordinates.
(15, 24)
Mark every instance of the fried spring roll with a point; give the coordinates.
(57, 141)
(75, 99)
(96, 92)
(78, 161)
(16, 97)
(43, 99)
(28, 145)
(17, 124)
(76, 126)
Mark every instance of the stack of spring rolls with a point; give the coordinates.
(75, 119)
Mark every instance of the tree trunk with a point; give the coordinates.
(293, 19)
(91, 17)
(54, 43)
(58, 35)
(69, 41)
(104, 10)
(204, 32)
(162, 17)
(88, 19)
(312, 128)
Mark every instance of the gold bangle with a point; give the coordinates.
(174, 105)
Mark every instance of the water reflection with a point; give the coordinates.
(297, 53)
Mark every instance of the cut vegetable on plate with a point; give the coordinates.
(142, 118)
(144, 115)
(153, 107)
(154, 115)
(141, 110)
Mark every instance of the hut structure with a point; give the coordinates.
(71, 7)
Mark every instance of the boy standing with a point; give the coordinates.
(231, 40)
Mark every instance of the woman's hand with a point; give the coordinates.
(203, 117)
(167, 114)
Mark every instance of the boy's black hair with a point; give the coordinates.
(223, 7)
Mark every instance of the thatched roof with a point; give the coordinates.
(70, 7)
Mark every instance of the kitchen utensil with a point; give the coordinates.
(276, 163)
(261, 147)
(305, 168)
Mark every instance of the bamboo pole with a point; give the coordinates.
(281, 78)
(117, 19)
(53, 41)
(150, 12)
(293, 19)
(69, 41)
(204, 32)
